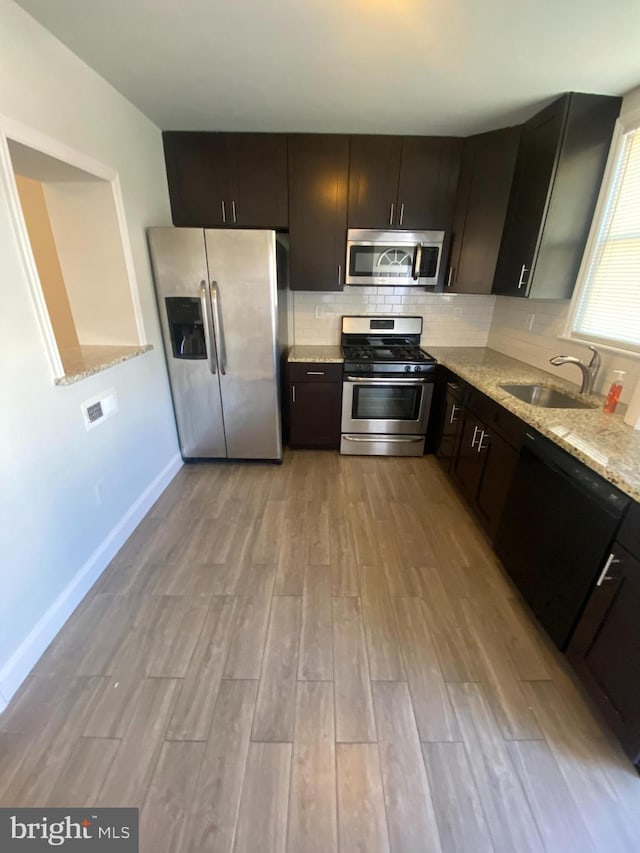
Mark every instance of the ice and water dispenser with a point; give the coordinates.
(184, 316)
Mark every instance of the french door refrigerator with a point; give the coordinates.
(224, 336)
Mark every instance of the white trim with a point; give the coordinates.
(32, 138)
(134, 290)
(25, 135)
(625, 123)
(8, 181)
(14, 671)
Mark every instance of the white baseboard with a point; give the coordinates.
(14, 671)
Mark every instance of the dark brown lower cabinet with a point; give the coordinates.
(315, 402)
(483, 468)
(451, 424)
(605, 648)
(478, 447)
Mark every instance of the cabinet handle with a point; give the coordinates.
(523, 270)
(315, 372)
(391, 214)
(293, 393)
(482, 446)
(224, 212)
(603, 574)
(454, 409)
(233, 212)
(476, 430)
(450, 277)
(339, 273)
(401, 213)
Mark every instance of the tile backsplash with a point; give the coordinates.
(449, 319)
(528, 329)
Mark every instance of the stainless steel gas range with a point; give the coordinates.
(387, 386)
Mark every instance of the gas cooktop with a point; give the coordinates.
(373, 345)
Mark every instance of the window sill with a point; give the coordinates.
(600, 346)
(83, 361)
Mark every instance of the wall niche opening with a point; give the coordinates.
(76, 240)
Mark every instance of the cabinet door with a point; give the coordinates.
(498, 466)
(468, 463)
(429, 171)
(486, 175)
(374, 170)
(257, 180)
(450, 432)
(318, 167)
(315, 410)
(605, 648)
(541, 137)
(197, 177)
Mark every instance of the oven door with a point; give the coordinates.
(393, 406)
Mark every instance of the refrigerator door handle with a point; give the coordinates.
(217, 325)
(208, 328)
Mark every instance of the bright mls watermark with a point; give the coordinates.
(103, 830)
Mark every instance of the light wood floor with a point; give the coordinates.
(317, 656)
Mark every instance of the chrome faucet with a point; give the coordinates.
(589, 371)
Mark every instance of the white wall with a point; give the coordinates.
(86, 233)
(448, 319)
(529, 329)
(56, 529)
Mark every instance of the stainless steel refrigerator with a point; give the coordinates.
(221, 298)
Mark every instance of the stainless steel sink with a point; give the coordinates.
(549, 398)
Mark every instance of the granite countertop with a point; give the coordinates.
(603, 442)
(316, 354)
(82, 361)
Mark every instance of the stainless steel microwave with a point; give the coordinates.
(393, 257)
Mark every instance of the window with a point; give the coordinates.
(607, 304)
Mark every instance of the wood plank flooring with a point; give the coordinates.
(319, 656)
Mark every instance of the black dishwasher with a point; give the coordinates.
(558, 523)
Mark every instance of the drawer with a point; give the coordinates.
(308, 371)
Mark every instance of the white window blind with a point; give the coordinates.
(609, 302)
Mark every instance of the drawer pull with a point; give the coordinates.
(293, 393)
(476, 430)
(454, 410)
(315, 372)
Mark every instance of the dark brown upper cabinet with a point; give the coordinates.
(318, 168)
(486, 175)
(227, 179)
(561, 159)
(402, 182)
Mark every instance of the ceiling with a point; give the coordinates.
(361, 66)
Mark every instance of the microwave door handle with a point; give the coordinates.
(417, 262)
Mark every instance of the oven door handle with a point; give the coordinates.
(378, 381)
(387, 439)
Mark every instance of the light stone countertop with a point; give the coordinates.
(316, 354)
(603, 442)
(83, 361)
